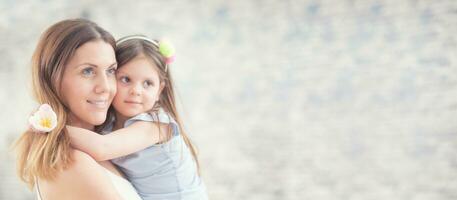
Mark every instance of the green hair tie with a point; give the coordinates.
(167, 50)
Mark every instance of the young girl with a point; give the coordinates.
(146, 139)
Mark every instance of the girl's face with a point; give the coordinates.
(138, 87)
(89, 83)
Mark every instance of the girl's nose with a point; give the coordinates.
(136, 90)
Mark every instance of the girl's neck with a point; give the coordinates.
(119, 122)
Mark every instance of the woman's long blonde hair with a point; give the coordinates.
(43, 155)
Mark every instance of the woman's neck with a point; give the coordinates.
(73, 121)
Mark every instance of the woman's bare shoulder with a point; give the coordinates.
(82, 160)
(83, 179)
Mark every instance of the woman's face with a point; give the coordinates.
(89, 83)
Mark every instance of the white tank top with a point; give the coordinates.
(123, 187)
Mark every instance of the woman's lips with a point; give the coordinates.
(99, 103)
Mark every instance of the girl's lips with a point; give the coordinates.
(133, 102)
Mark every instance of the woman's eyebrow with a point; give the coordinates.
(85, 64)
(93, 65)
(114, 64)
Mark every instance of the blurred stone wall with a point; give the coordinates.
(323, 100)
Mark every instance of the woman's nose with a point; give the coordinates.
(102, 84)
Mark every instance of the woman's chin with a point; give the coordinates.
(98, 120)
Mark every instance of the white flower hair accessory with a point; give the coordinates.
(44, 120)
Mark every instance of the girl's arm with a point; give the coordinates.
(133, 138)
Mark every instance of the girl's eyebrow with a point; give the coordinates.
(120, 72)
(152, 80)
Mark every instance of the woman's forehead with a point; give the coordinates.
(96, 52)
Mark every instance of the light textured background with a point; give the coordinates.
(291, 100)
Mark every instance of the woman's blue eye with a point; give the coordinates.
(125, 79)
(112, 70)
(88, 71)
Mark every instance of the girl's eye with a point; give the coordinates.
(125, 79)
(88, 71)
(147, 84)
(112, 71)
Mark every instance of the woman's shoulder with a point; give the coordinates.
(80, 158)
(83, 178)
(83, 167)
(82, 163)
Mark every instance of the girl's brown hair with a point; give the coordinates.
(137, 46)
(43, 155)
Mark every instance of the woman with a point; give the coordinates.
(73, 70)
